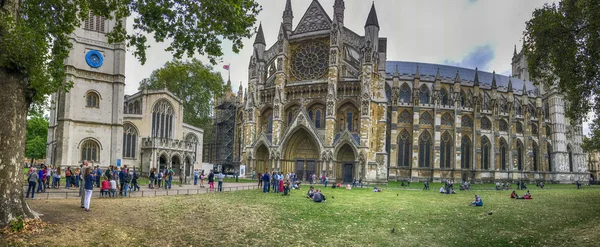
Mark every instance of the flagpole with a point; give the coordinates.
(229, 71)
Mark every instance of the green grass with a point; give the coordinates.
(359, 217)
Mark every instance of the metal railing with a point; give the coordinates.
(142, 193)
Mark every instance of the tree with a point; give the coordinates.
(194, 83)
(34, 43)
(37, 136)
(562, 47)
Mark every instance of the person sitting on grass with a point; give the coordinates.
(527, 195)
(477, 202)
(442, 190)
(348, 186)
(318, 196)
(514, 195)
(376, 189)
(310, 193)
(286, 188)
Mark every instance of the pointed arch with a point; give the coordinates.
(486, 124)
(520, 153)
(503, 125)
(447, 119)
(424, 94)
(570, 153)
(535, 151)
(404, 148)
(425, 118)
(463, 98)
(405, 94)
(465, 152)
(90, 150)
(444, 96)
(425, 149)
(503, 153)
(405, 117)
(486, 147)
(446, 150)
(163, 114)
(549, 155)
(466, 121)
(130, 137)
(519, 127)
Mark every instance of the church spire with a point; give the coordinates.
(437, 74)
(510, 89)
(260, 36)
(417, 75)
(476, 80)
(494, 86)
(456, 78)
(288, 15)
(396, 74)
(524, 88)
(515, 52)
(372, 19)
(338, 10)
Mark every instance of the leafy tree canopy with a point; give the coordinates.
(37, 136)
(192, 27)
(562, 47)
(194, 83)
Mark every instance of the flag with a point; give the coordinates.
(226, 66)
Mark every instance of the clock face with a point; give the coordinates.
(94, 59)
(310, 61)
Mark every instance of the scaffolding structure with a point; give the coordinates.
(224, 134)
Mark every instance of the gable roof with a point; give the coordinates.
(314, 19)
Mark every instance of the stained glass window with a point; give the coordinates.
(466, 122)
(503, 153)
(405, 117)
(89, 151)
(485, 123)
(310, 61)
(424, 95)
(519, 128)
(485, 153)
(405, 94)
(446, 151)
(404, 149)
(465, 153)
(503, 125)
(426, 118)
(424, 150)
(447, 120)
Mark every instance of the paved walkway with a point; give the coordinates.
(187, 189)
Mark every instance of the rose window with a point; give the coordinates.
(310, 61)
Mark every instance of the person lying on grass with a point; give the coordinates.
(477, 202)
(376, 189)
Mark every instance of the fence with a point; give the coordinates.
(143, 193)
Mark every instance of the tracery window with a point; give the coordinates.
(503, 153)
(349, 120)
(426, 118)
(318, 119)
(89, 151)
(485, 97)
(532, 110)
(92, 100)
(405, 117)
(310, 61)
(519, 128)
(534, 150)
(549, 157)
(485, 123)
(447, 119)
(162, 119)
(485, 153)
(466, 122)
(424, 95)
(424, 149)
(503, 105)
(519, 155)
(503, 126)
(517, 106)
(465, 153)
(444, 97)
(404, 143)
(129, 141)
(446, 151)
(405, 94)
(290, 118)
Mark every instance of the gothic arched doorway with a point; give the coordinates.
(261, 161)
(162, 162)
(346, 160)
(176, 165)
(188, 166)
(301, 154)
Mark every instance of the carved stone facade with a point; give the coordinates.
(377, 120)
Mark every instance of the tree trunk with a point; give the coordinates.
(14, 103)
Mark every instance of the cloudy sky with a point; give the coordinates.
(467, 33)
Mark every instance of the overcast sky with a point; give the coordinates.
(466, 33)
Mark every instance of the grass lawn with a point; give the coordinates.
(557, 217)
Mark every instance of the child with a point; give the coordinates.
(477, 202)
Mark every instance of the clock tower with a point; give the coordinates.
(86, 122)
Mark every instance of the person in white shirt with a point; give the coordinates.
(220, 179)
(113, 187)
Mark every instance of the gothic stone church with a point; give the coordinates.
(324, 99)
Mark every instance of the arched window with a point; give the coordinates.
(426, 118)
(349, 120)
(446, 151)
(503, 153)
(485, 123)
(519, 128)
(137, 108)
(191, 138)
(546, 111)
(534, 130)
(405, 94)
(130, 108)
(92, 100)
(270, 124)
(310, 114)
(404, 143)
(290, 118)
(162, 119)
(465, 153)
(424, 95)
(503, 104)
(519, 155)
(444, 97)
(318, 119)
(447, 119)
(466, 122)
(405, 117)
(570, 151)
(129, 141)
(549, 150)
(503, 126)
(485, 153)
(485, 100)
(424, 149)
(463, 99)
(518, 108)
(534, 150)
(90, 151)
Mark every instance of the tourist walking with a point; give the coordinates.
(68, 177)
(134, 182)
(170, 176)
(160, 178)
(89, 186)
(32, 178)
(196, 176)
(152, 177)
(266, 179)
(202, 179)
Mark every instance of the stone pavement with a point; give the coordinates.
(187, 189)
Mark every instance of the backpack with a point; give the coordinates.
(160, 175)
(68, 173)
(127, 177)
